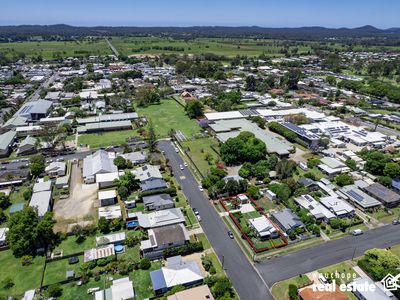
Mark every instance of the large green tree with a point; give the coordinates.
(194, 109)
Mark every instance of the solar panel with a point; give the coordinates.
(355, 195)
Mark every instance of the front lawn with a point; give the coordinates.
(104, 139)
(23, 277)
(169, 115)
(343, 272)
(280, 290)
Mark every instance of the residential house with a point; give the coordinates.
(287, 220)
(158, 218)
(153, 184)
(332, 167)
(316, 209)
(263, 227)
(158, 202)
(42, 201)
(6, 141)
(27, 146)
(121, 289)
(358, 197)
(177, 272)
(97, 163)
(386, 196)
(162, 238)
(110, 212)
(106, 180)
(137, 157)
(368, 294)
(56, 169)
(197, 293)
(339, 207)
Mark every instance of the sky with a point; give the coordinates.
(265, 13)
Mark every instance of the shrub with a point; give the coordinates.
(26, 260)
(54, 290)
(145, 264)
(7, 283)
(293, 292)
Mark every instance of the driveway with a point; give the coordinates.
(81, 201)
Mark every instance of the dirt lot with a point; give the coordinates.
(81, 204)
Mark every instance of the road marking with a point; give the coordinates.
(182, 177)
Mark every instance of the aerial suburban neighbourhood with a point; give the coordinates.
(199, 162)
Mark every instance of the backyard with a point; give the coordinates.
(169, 115)
(23, 277)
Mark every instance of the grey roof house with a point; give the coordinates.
(6, 141)
(97, 163)
(153, 184)
(158, 202)
(287, 220)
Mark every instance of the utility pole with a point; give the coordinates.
(354, 253)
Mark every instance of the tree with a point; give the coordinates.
(344, 179)
(351, 163)
(293, 292)
(285, 168)
(385, 180)
(254, 192)
(379, 262)
(129, 181)
(152, 137)
(282, 191)
(146, 95)
(251, 83)
(27, 232)
(221, 287)
(37, 164)
(392, 170)
(123, 192)
(120, 162)
(194, 109)
(4, 201)
(103, 225)
(54, 290)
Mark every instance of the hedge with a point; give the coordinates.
(171, 191)
(184, 250)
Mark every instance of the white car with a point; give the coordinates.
(201, 188)
(181, 167)
(176, 150)
(185, 164)
(198, 218)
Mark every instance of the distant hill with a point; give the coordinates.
(24, 32)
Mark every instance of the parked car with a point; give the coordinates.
(196, 212)
(357, 232)
(181, 167)
(230, 234)
(201, 188)
(185, 164)
(73, 260)
(396, 222)
(322, 279)
(198, 217)
(176, 150)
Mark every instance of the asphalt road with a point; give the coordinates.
(326, 254)
(244, 277)
(381, 128)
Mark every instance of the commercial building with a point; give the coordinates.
(108, 118)
(331, 166)
(34, 110)
(106, 126)
(307, 136)
(226, 129)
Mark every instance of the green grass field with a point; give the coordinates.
(52, 49)
(23, 277)
(220, 46)
(104, 139)
(70, 246)
(199, 150)
(169, 115)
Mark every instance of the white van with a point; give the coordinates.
(357, 232)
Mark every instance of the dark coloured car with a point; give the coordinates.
(230, 234)
(73, 260)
